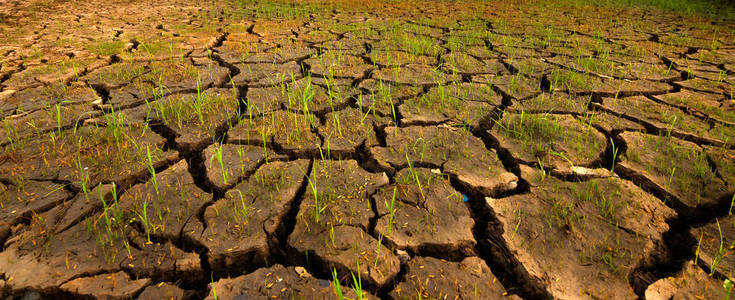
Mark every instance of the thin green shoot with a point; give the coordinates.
(336, 285)
(614, 154)
(377, 253)
(415, 176)
(151, 169)
(357, 283)
(391, 209)
(720, 251)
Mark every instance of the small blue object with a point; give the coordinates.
(464, 198)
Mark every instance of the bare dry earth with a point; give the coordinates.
(233, 151)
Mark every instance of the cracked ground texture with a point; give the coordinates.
(366, 150)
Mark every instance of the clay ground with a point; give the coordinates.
(266, 149)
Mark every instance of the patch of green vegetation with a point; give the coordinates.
(540, 135)
(106, 48)
(541, 127)
(195, 110)
(562, 215)
(418, 44)
(601, 196)
(566, 79)
(279, 9)
(705, 8)
(461, 42)
(153, 48)
(692, 177)
(723, 133)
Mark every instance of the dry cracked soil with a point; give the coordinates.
(364, 150)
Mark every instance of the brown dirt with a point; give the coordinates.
(240, 149)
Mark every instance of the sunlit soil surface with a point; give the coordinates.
(364, 150)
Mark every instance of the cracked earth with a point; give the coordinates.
(366, 150)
